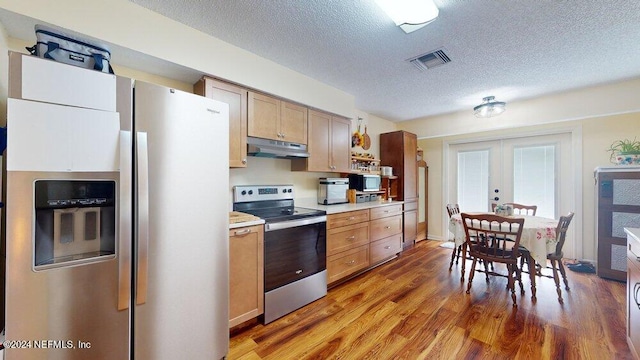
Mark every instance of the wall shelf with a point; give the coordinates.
(365, 165)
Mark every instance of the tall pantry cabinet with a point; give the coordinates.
(399, 149)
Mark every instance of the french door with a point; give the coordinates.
(526, 170)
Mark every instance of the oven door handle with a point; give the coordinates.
(294, 223)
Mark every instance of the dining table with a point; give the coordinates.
(538, 236)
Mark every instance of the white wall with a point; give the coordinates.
(597, 134)
(125, 24)
(140, 29)
(268, 171)
(4, 79)
(596, 101)
(375, 126)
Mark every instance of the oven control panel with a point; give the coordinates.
(244, 193)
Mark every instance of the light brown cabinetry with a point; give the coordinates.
(329, 142)
(398, 149)
(385, 233)
(275, 119)
(246, 274)
(236, 97)
(633, 294)
(356, 240)
(347, 243)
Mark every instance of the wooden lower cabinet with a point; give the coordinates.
(347, 237)
(347, 262)
(410, 222)
(385, 227)
(385, 248)
(356, 240)
(246, 274)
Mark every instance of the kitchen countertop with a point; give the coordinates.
(239, 219)
(246, 223)
(634, 232)
(312, 203)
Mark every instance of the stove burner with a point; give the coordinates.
(273, 203)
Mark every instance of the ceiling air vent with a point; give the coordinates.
(430, 60)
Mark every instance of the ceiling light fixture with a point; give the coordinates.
(410, 15)
(489, 107)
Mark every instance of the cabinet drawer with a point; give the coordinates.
(385, 227)
(385, 248)
(347, 237)
(385, 211)
(347, 218)
(347, 263)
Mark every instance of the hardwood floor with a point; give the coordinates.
(414, 308)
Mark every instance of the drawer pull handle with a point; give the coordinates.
(352, 237)
(351, 218)
(386, 211)
(242, 232)
(387, 247)
(387, 227)
(350, 262)
(298, 272)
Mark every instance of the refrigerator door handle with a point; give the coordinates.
(124, 232)
(142, 159)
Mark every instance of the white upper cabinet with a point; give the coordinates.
(33, 78)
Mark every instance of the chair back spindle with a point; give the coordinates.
(561, 232)
(453, 209)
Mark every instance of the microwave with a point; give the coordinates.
(364, 182)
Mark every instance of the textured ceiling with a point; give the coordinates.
(512, 49)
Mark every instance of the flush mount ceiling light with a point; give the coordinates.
(489, 107)
(409, 15)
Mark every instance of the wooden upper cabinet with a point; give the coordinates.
(319, 142)
(275, 119)
(236, 97)
(341, 144)
(293, 122)
(264, 115)
(329, 143)
(399, 149)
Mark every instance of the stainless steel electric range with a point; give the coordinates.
(295, 271)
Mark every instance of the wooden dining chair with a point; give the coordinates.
(453, 209)
(497, 240)
(523, 209)
(554, 258)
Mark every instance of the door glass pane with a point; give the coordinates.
(473, 180)
(534, 174)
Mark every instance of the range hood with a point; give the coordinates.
(275, 149)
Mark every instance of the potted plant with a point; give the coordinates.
(625, 152)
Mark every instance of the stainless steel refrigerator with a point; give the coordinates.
(116, 217)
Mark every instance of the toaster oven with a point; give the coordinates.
(332, 190)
